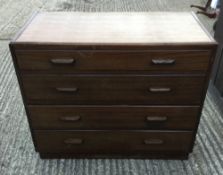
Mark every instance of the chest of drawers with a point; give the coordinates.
(113, 84)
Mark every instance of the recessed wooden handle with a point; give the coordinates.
(73, 141)
(156, 118)
(70, 118)
(61, 89)
(160, 61)
(159, 90)
(153, 142)
(64, 61)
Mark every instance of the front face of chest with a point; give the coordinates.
(119, 99)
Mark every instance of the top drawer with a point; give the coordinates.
(116, 61)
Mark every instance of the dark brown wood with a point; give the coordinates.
(121, 97)
(18, 75)
(204, 92)
(167, 155)
(113, 117)
(153, 141)
(113, 89)
(112, 142)
(73, 141)
(95, 61)
(116, 47)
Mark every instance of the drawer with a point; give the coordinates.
(113, 117)
(94, 61)
(113, 89)
(112, 142)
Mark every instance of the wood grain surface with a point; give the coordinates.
(115, 28)
(131, 87)
(111, 142)
(113, 89)
(163, 61)
(113, 117)
(17, 152)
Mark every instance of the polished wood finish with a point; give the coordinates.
(163, 61)
(122, 89)
(134, 90)
(113, 117)
(114, 142)
(103, 28)
(208, 47)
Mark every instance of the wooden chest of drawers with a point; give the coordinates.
(113, 84)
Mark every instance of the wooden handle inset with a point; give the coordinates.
(61, 89)
(73, 141)
(159, 89)
(160, 61)
(156, 118)
(70, 118)
(64, 61)
(153, 142)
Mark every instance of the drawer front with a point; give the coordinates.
(111, 117)
(126, 89)
(92, 142)
(90, 61)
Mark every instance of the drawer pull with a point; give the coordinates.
(62, 61)
(67, 89)
(70, 118)
(157, 90)
(153, 142)
(156, 118)
(163, 61)
(73, 141)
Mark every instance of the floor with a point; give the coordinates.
(17, 155)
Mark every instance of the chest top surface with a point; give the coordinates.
(114, 28)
